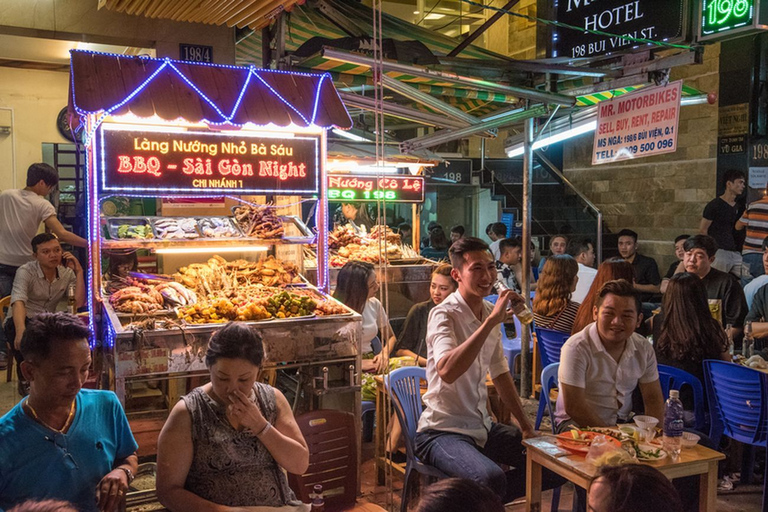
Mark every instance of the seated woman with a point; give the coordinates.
(552, 306)
(413, 337)
(609, 270)
(356, 287)
(438, 245)
(685, 332)
(355, 215)
(226, 443)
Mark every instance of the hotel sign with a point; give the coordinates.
(198, 162)
(660, 20)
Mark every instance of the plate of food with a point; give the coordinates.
(649, 453)
(579, 441)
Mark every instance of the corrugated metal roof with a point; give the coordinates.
(117, 84)
(234, 13)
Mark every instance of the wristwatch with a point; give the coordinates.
(128, 473)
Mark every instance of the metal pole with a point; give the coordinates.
(599, 239)
(525, 338)
(482, 28)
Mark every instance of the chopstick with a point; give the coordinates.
(567, 440)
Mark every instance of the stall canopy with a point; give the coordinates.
(214, 94)
(233, 13)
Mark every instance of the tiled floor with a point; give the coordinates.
(743, 499)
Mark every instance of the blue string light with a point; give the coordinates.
(288, 103)
(225, 120)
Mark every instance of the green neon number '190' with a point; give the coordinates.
(720, 11)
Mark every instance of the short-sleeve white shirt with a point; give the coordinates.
(586, 277)
(374, 317)
(608, 384)
(460, 407)
(21, 212)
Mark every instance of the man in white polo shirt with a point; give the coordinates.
(602, 365)
(582, 250)
(455, 432)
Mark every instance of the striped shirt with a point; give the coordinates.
(562, 321)
(756, 220)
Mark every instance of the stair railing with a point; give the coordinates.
(557, 172)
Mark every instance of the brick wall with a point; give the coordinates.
(664, 196)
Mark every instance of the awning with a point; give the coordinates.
(234, 13)
(363, 152)
(215, 94)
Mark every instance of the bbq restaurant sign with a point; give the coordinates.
(136, 160)
(660, 20)
(636, 125)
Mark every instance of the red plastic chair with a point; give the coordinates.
(332, 440)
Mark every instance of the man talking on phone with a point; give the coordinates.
(40, 285)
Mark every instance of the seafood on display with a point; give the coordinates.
(144, 298)
(136, 300)
(259, 221)
(381, 244)
(176, 228)
(217, 227)
(220, 277)
(134, 231)
(249, 304)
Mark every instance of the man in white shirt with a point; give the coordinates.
(497, 233)
(582, 250)
(602, 365)
(21, 212)
(455, 432)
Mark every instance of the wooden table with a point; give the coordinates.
(543, 452)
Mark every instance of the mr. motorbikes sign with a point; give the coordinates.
(659, 20)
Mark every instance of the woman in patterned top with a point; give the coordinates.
(226, 443)
(553, 307)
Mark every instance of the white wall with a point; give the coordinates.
(488, 211)
(36, 98)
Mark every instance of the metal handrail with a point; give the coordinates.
(553, 168)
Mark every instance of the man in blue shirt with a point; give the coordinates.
(64, 442)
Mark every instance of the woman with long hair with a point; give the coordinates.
(609, 270)
(357, 215)
(438, 245)
(685, 332)
(356, 287)
(552, 306)
(414, 334)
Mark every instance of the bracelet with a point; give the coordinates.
(264, 430)
(128, 473)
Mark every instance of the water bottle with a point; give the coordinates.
(749, 341)
(673, 424)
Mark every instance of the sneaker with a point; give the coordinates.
(725, 484)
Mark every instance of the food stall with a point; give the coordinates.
(229, 154)
(354, 177)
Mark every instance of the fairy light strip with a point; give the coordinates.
(225, 119)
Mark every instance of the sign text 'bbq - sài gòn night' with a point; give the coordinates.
(391, 189)
(162, 163)
(616, 25)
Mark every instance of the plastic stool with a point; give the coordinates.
(368, 417)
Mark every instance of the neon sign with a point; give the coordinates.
(391, 189)
(724, 18)
(206, 162)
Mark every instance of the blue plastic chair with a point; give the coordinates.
(403, 386)
(738, 406)
(675, 378)
(550, 342)
(512, 346)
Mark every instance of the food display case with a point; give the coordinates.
(229, 154)
(405, 271)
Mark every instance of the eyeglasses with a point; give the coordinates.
(60, 440)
